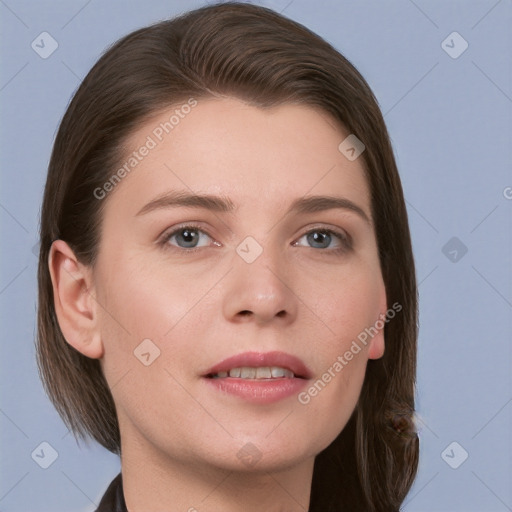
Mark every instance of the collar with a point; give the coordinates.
(113, 499)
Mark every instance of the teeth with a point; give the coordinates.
(235, 372)
(277, 372)
(246, 373)
(264, 372)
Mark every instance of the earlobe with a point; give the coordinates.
(377, 344)
(75, 306)
(376, 350)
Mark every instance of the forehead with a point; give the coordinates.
(253, 155)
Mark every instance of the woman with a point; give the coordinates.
(227, 295)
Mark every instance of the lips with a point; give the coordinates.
(258, 378)
(259, 360)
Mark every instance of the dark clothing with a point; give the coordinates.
(113, 499)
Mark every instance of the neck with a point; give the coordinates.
(157, 482)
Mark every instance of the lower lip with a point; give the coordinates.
(264, 391)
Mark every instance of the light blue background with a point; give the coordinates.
(451, 124)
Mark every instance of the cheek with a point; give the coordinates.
(352, 304)
(151, 317)
(138, 308)
(147, 300)
(332, 394)
(143, 325)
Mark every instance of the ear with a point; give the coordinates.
(377, 344)
(75, 305)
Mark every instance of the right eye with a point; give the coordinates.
(187, 237)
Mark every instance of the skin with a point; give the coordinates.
(180, 437)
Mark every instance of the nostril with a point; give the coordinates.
(245, 312)
(281, 313)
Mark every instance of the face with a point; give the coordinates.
(260, 268)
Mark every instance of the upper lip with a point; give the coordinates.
(259, 359)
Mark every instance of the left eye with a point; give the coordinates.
(323, 238)
(188, 237)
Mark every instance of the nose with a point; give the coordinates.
(259, 292)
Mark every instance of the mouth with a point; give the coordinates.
(260, 378)
(260, 373)
(260, 366)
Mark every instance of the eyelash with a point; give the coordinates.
(344, 238)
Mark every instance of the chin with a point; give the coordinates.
(261, 454)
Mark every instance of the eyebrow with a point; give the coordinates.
(302, 205)
(177, 198)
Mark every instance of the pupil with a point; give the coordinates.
(189, 237)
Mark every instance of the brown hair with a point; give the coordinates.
(261, 57)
